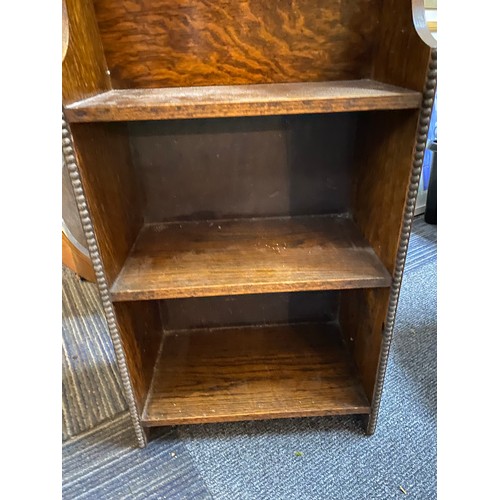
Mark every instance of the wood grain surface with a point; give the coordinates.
(111, 189)
(252, 373)
(78, 262)
(385, 150)
(141, 331)
(115, 207)
(84, 69)
(245, 167)
(401, 57)
(362, 315)
(172, 43)
(233, 257)
(242, 100)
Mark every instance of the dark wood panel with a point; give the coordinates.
(400, 57)
(253, 373)
(245, 167)
(111, 189)
(84, 70)
(141, 332)
(242, 100)
(385, 150)
(385, 141)
(78, 262)
(115, 208)
(232, 257)
(165, 43)
(362, 316)
(383, 163)
(252, 309)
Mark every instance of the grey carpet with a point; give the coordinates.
(256, 460)
(423, 245)
(91, 390)
(104, 463)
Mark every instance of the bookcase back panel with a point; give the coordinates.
(244, 167)
(253, 309)
(168, 43)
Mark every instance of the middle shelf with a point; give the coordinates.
(243, 256)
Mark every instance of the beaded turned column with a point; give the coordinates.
(420, 145)
(70, 159)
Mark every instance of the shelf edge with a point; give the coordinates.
(211, 102)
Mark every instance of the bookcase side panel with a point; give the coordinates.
(78, 155)
(141, 332)
(383, 171)
(113, 194)
(401, 57)
(387, 147)
(84, 68)
(390, 151)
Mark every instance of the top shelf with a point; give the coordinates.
(241, 100)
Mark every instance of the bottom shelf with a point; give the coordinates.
(251, 373)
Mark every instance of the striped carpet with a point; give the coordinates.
(255, 460)
(91, 388)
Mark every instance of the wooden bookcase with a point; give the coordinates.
(246, 174)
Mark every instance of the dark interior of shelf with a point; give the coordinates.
(242, 100)
(232, 374)
(208, 258)
(249, 309)
(243, 205)
(228, 168)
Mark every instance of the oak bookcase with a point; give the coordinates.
(246, 173)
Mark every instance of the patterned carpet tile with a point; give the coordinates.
(422, 248)
(91, 389)
(104, 463)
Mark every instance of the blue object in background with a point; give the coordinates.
(427, 164)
